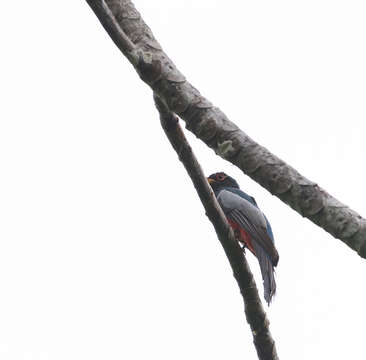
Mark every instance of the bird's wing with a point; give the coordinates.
(251, 219)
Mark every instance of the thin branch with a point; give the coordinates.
(212, 126)
(111, 24)
(254, 312)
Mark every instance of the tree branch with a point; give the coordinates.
(255, 315)
(212, 126)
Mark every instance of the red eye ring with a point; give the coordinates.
(221, 177)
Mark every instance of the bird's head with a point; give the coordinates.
(220, 179)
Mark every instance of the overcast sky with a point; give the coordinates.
(105, 250)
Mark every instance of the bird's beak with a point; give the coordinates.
(211, 181)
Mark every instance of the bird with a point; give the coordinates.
(250, 226)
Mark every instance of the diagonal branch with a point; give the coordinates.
(254, 312)
(125, 25)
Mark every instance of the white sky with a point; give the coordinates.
(105, 250)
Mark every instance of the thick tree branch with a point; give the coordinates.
(122, 21)
(254, 312)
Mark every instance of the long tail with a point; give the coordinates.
(267, 270)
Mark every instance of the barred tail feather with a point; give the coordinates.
(267, 271)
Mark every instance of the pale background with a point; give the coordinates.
(105, 250)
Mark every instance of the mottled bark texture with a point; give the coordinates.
(254, 312)
(135, 39)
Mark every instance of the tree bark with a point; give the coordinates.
(254, 312)
(136, 41)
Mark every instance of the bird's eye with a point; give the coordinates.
(221, 177)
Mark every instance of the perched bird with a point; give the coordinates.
(250, 226)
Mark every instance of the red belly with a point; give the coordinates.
(244, 237)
